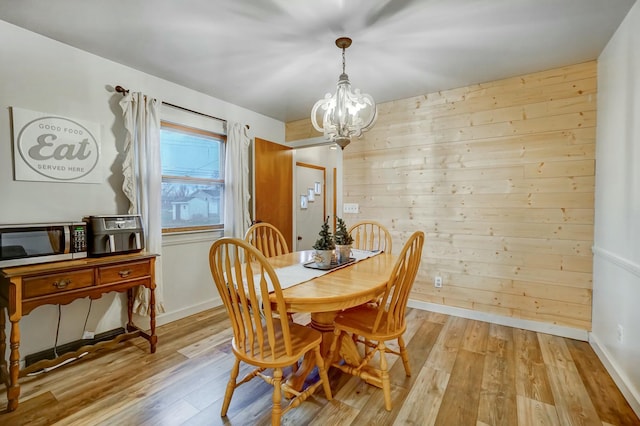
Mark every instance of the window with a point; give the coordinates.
(192, 178)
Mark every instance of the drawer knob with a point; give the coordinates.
(125, 273)
(62, 283)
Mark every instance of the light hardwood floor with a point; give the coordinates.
(465, 372)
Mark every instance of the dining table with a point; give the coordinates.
(361, 280)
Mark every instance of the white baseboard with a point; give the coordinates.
(168, 317)
(631, 394)
(540, 327)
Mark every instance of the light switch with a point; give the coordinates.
(350, 208)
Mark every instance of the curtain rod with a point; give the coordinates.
(124, 91)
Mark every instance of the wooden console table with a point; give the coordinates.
(24, 288)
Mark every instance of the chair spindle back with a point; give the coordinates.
(371, 235)
(244, 288)
(393, 304)
(267, 239)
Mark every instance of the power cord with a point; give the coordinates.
(84, 329)
(55, 344)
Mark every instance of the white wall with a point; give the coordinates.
(41, 74)
(616, 274)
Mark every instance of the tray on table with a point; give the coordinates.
(332, 265)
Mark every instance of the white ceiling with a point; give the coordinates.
(277, 57)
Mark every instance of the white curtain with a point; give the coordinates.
(236, 180)
(142, 182)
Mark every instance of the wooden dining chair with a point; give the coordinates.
(269, 241)
(260, 337)
(267, 238)
(371, 325)
(370, 235)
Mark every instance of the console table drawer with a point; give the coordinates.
(112, 274)
(55, 283)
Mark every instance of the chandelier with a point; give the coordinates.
(347, 113)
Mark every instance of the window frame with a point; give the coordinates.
(187, 179)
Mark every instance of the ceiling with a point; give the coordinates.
(277, 57)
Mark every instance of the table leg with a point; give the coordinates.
(323, 322)
(4, 373)
(13, 391)
(153, 339)
(130, 298)
(151, 336)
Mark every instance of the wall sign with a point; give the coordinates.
(51, 148)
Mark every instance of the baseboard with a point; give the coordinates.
(168, 317)
(71, 346)
(540, 327)
(631, 394)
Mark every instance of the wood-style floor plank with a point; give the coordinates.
(464, 372)
(571, 397)
(601, 387)
(573, 404)
(497, 405)
(532, 412)
(531, 374)
(423, 401)
(475, 336)
(461, 398)
(443, 354)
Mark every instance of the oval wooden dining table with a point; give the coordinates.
(323, 297)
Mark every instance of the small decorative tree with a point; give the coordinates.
(342, 236)
(343, 241)
(325, 242)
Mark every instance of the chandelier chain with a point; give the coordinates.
(343, 60)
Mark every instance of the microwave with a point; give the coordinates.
(30, 243)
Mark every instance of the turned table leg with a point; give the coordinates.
(4, 373)
(130, 297)
(323, 322)
(153, 339)
(13, 391)
(151, 336)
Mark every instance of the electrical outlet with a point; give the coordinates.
(620, 333)
(350, 208)
(88, 335)
(437, 282)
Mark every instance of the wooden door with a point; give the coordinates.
(274, 186)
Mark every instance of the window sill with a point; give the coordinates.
(189, 237)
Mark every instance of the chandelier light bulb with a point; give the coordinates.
(347, 113)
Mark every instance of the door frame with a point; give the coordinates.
(298, 191)
(324, 183)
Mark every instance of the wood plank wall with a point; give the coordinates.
(500, 176)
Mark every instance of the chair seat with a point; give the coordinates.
(360, 320)
(303, 339)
